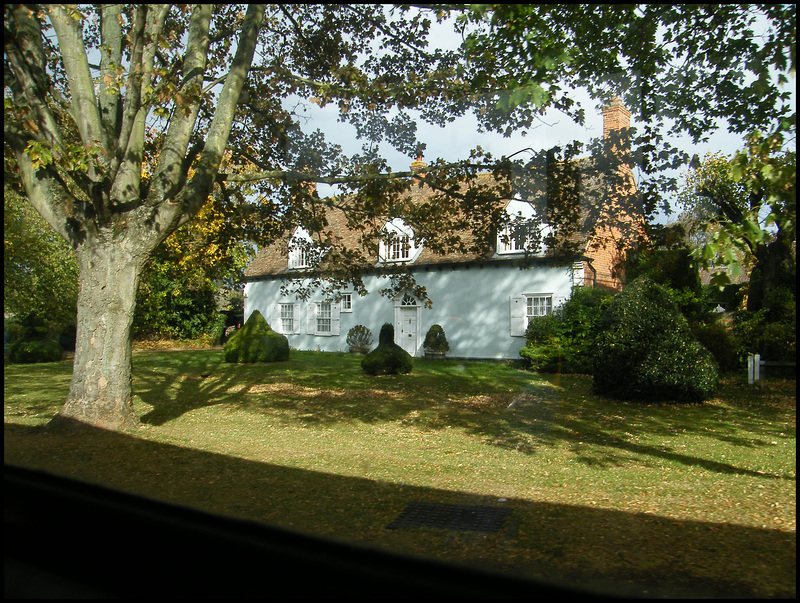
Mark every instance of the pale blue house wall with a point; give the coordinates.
(472, 303)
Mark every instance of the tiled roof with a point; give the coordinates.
(274, 259)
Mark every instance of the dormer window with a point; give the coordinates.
(522, 233)
(299, 249)
(397, 243)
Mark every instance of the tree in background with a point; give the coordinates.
(118, 120)
(681, 69)
(745, 208)
(39, 270)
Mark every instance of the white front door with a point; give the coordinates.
(405, 328)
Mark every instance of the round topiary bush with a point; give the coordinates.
(256, 342)
(388, 358)
(646, 350)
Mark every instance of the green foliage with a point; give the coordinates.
(647, 352)
(388, 358)
(33, 343)
(674, 268)
(359, 336)
(256, 342)
(435, 340)
(745, 208)
(39, 269)
(67, 337)
(35, 350)
(717, 337)
(770, 331)
(565, 341)
(386, 335)
(173, 303)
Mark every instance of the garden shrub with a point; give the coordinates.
(717, 339)
(67, 337)
(435, 340)
(647, 352)
(565, 340)
(388, 358)
(359, 336)
(256, 342)
(34, 343)
(770, 331)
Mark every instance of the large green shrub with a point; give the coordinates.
(647, 352)
(34, 343)
(565, 340)
(256, 342)
(388, 358)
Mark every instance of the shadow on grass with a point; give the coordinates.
(628, 553)
(502, 405)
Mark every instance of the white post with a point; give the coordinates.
(757, 368)
(750, 371)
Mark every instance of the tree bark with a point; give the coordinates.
(100, 393)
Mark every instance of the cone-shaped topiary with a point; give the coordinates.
(388, 358)
(256, 342)
(647, 352)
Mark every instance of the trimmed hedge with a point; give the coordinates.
(388, 358)
(256, 342)
(647, 352)
(34, 343)
(29, 351)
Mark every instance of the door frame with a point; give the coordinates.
(401, 303)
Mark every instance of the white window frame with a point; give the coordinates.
(323, 318)
(278, 313)
(398, 243)
(346, 303)
(516, 210)
(298, 249)
(510, 245)
(522, 307)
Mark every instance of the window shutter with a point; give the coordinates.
(311, 318)
(275, 318)
(297, 318)
(336, 310)
(517, 316)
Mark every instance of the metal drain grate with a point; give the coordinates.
(466, 518)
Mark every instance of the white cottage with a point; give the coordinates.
(483, 301)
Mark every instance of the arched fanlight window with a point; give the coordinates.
(398, 243)
(408, 300)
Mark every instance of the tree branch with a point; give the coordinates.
(199, 187)
(76, 64)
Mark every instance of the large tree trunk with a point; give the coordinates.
(100, 393)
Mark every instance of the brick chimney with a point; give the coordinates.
(418, 164)
(615, 116)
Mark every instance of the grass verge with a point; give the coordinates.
(660, 499)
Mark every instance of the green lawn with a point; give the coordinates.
(661, 499)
